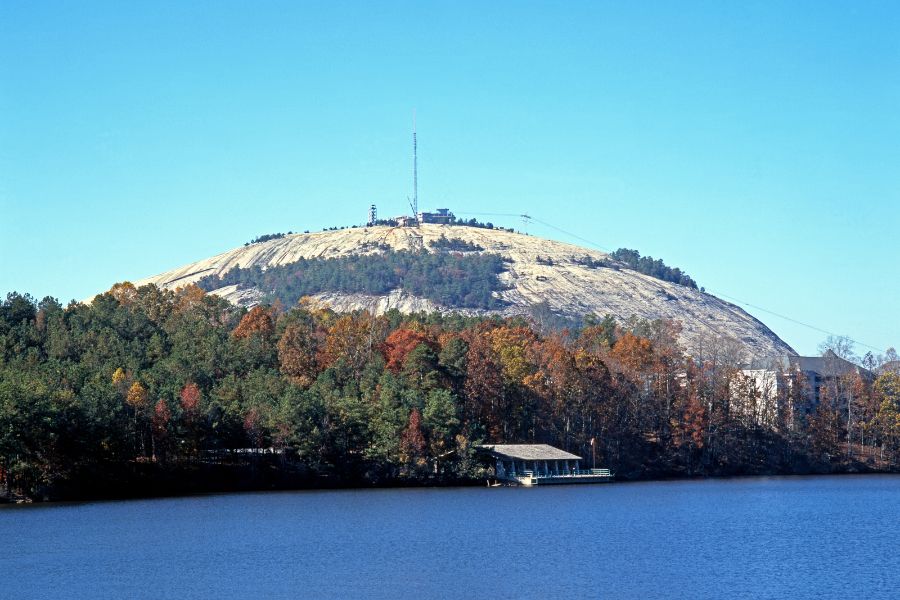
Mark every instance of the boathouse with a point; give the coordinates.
(534, 464)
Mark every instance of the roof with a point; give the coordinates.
(829, 365)
(528, 452)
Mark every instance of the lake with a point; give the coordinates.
(744, 538)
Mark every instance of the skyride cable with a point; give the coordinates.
(714, 292)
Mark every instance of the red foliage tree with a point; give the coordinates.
(412, 441)
(399, 344)
(190, 399)
(161, 417)
(253, 427)
(694, 420)
(190, 405)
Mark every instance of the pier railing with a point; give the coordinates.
(570, 473)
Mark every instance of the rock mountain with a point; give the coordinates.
(537, 271)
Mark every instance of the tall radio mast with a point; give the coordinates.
(415, 200)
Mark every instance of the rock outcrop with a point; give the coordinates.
(539, 271)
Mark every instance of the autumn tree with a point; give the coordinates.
(887, 393)
(512, 349)
(120, 381)
(352, 340)
(137, 396)
(254, 339)
(694, 420)
(483, 386)
(298, 350)
(399, 343)
(559, 385)
(160, 423)
(598, 335)
(632, 352)
(412, 443)
(124, 293)
(189, 297)
(253, 426)
(190, 399)
(824, 427)
(257, 322)
(138, 400)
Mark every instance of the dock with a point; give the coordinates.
(540, 464)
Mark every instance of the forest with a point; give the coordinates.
(146, 391)
(447, 278)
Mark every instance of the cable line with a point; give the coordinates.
(732, 298)
(792, 320)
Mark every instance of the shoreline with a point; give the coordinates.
(182, 489)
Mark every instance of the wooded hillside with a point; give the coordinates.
(152, 383)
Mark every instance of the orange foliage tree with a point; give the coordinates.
(189, 296)
(353, 338)
(258, 321)
(298, 351)
(633, 352)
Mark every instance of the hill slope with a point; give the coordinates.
(573, 281)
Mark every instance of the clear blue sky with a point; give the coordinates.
(756, 145)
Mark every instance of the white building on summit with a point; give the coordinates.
(441, 216)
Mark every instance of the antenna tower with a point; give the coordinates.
(415, 198)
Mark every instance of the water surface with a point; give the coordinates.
(744, 538)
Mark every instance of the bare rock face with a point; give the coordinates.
(571, 286)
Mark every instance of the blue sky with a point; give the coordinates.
(755, 145)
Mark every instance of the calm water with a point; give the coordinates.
(751, 538)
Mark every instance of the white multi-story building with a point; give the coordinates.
(805, 380)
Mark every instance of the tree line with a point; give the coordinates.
(449, 279)
(147, 383)
(267, 237)
(653, 267)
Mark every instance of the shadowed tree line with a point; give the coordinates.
(150, 385)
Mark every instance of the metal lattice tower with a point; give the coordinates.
(415, 200)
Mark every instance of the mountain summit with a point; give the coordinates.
(473, 270)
